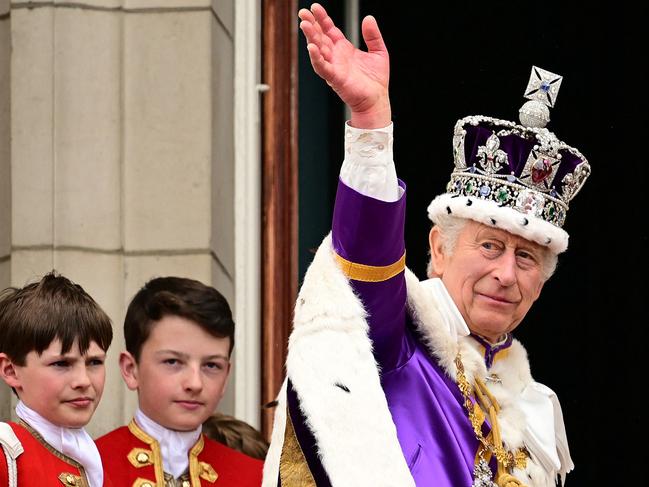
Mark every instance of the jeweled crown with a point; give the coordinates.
(524, 167)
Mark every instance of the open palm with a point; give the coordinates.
(359, 78)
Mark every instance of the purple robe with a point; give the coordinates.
(433, 430)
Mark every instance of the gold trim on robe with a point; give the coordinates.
(155, 451)
(79, 480)
(293, 468)
(370, 273)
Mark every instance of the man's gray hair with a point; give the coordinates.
(451, 226)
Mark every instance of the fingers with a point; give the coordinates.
(372, 35)
(305, 14)
(321, 34)
(320, 64)
(326, 24)
(314, 34)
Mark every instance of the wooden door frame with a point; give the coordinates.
(279, 193)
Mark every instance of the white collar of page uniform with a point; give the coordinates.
(174, 445)
(75, 443)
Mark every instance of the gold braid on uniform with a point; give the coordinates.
(492, 444)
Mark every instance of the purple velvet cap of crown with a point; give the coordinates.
(518, 149)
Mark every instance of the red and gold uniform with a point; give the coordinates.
(132, 458)
(42, 465)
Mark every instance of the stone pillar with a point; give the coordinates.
(123, 153)
(5, 166)
(178, 147)
(67, 159)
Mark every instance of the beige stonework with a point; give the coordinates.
(5, 140)
(225, 14)
(5, 165)
(84, 3)
(87, 143)
(222, 139)
(121, 165)
(167, 149)
(166, 4)
(32, 107)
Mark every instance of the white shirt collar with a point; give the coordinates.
(75, 443)
(174, 445)
(454, 323)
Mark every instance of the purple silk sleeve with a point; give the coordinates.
(426, 406)
(370, 232)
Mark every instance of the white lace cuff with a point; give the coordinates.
(368, 166)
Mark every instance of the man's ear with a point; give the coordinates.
(437, 254)
(8, 372)
(128, 368)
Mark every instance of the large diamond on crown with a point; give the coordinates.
(530, 202)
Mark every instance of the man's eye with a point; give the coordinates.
(526, 256)
(95, 362)
(214, 365)
(490, 246)
(60, 363)
(171, 361)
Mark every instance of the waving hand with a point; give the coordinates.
(360, 78)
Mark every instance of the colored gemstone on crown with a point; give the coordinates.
(541, 169)
(503, 195)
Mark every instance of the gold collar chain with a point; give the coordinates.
(507, 460)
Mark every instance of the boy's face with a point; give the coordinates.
(63, 388)
(181, 375)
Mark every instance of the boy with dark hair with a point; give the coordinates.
(179, 337)
(53, 343)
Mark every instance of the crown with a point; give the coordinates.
(518, 177)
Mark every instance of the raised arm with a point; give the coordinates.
(368, 221)
(360, 78)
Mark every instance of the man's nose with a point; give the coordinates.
(81, 377)
(505, 271)
(193, 380)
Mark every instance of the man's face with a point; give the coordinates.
(492, 276)
(181, 374)
(63, 388)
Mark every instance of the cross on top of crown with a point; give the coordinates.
(543, 86)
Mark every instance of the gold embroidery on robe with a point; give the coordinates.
(293, 468)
